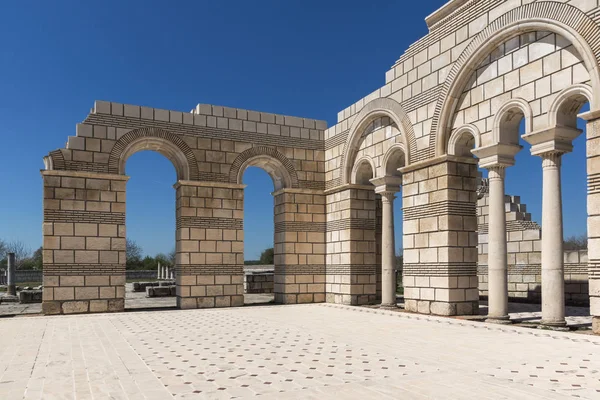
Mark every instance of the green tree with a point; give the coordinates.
(164, 259)
(267, 256)
(133, 254)
(35, 262)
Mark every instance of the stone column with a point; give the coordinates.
(553, 278)
(158, 271)
(497, 256)
(496, 158)
(387, 187)
(10, 275)
(551, 144)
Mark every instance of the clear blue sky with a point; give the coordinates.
(305, 58)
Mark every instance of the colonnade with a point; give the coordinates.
(549, 144)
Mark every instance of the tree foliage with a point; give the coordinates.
(267, 257)
(137, 261)
(23, 258)
(576, 242)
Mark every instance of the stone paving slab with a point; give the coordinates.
(289, 352)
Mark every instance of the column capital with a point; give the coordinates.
(387, 184)
(496, 155)
(557, 139)
(551, 159)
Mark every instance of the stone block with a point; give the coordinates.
(116, 305)
(205, 302)
(186, 303)
(51, 307)
(98, 306)
(441, 308)
(222, 301)
(75, 307)
(30, 296)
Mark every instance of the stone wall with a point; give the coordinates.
(258, 282)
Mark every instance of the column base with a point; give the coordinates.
(388, 306)
(554, 326)
(596, 325)
(9, 298)
(499, 320)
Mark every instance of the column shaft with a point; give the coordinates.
(10, 275)
(553, 282)
(388, 254)
(497, 253)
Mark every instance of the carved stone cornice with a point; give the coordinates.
(558, 139)
(496, 155)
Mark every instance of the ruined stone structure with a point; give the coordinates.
(460, 90)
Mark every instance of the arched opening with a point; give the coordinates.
(463, 140)
(267, 239)
(150, 225)
(363, 172)
(377, 114)
(259, 248)
(393, 161)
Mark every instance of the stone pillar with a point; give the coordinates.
(210, 244)
(497, 252)
(158, 271)
(593, 209)
(299, 246)
(387, 187)
(351, 245)
(496, 158)
(10, 275)
(551, 144)
(440, 236)
(553, 278)
(84, 242)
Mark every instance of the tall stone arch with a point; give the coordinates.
(374, 109)
(563, 19)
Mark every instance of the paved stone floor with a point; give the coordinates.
(287, 352)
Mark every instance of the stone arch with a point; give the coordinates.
(278, 166)
(459, 143)
(394, 156)
(563, 110)
(507, 120)
(363, 167)
(55, 160)
(382, 107)
(559, 18)
(159, 140)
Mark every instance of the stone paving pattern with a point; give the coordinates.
(298, 351)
